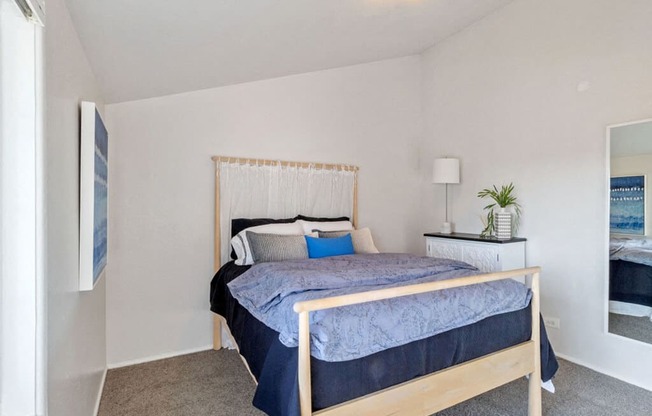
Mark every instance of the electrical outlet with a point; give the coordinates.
(551, 322)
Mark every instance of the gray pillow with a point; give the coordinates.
(274, 247)
(331, 234)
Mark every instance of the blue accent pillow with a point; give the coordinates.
(327, 247)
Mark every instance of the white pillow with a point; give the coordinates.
(309, 226)
(241, 244)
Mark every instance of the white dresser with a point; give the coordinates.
(487, 254)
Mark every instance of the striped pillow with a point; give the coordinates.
(240, 242)
(275, 247)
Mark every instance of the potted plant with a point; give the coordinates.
(502, 222)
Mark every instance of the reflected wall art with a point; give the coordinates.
(627, 206)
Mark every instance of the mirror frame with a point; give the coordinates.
(607, 190)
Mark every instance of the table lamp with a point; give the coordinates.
(447, 171)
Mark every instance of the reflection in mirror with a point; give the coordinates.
(630, 222)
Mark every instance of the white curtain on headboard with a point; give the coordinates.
(264, 191)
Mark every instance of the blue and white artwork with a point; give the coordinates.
(100, 200)
(93, 197)
(627, 212)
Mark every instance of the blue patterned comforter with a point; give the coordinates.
(634, 250)
(269, 291)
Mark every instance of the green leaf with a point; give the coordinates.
(503, 198)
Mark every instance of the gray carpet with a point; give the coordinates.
(206, 383)
(216, 383)
(638, 328)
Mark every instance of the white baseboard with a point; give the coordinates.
(158, 357)
(601, 370)
(99, 394)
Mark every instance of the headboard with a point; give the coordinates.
(285, 182)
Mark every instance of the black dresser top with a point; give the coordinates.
(475, 237)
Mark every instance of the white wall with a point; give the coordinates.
(76, 321)
(524, 95)
(161, 193)
(637, 165)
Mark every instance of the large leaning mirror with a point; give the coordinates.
(630, 231)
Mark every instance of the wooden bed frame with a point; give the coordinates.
(427, 394)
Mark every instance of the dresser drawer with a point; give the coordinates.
(487, 255)
(483, 256)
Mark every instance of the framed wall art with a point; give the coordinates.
(94, 197)
(627, 205)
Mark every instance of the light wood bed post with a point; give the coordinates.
(217, 321)
(305, 384)
(534, 387)
(354, 218)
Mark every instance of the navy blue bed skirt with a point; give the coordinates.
(630, 282)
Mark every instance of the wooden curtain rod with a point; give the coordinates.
(269, 162)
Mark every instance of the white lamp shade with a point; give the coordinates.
(446, 171)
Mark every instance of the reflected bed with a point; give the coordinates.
(630, 276)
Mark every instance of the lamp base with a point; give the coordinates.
(446, 228)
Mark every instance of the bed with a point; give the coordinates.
(420, 377)
(630, 276)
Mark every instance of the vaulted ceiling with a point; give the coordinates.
(147, 48)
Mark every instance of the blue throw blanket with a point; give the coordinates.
(269, 291)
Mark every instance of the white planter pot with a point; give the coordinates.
(503, 224)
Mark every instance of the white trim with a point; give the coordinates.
(157, 357)
(41, 229)
(600, 370)
(22, 342)
(607, 225)
(99, 394)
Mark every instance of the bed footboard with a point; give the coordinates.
(437, 391)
